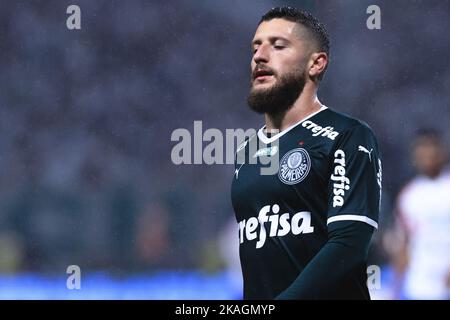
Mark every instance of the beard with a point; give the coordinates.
(280, 97)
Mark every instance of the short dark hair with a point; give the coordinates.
(428, 135)
(315, 28)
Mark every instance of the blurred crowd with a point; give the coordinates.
(86, 118)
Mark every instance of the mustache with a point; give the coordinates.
(261, 70)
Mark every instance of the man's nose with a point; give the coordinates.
(261, 54)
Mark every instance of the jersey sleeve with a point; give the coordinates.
(354, 187)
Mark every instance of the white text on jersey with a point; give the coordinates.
(340, 182)
(279, 225)
(320, 131)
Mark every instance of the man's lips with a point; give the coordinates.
(262, 75)
(262, 79)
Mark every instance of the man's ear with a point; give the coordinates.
(317, 64)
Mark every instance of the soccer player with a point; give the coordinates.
(305, 231)
(423, 212)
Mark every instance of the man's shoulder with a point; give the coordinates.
(345, 123)
(410, 187)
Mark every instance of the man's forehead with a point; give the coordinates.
(277, 28)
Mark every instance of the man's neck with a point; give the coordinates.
(306, 104)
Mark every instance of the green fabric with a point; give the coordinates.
(330, 272)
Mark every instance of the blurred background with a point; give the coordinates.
(86, 118)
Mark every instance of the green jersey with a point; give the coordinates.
(329, 171)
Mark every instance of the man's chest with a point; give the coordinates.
(293, 170)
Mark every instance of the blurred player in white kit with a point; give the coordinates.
(423, 212)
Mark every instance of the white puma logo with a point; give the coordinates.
(361, 148)
(236, 172)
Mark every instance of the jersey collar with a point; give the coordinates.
(266, 140)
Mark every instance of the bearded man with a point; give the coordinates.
(305, 231)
